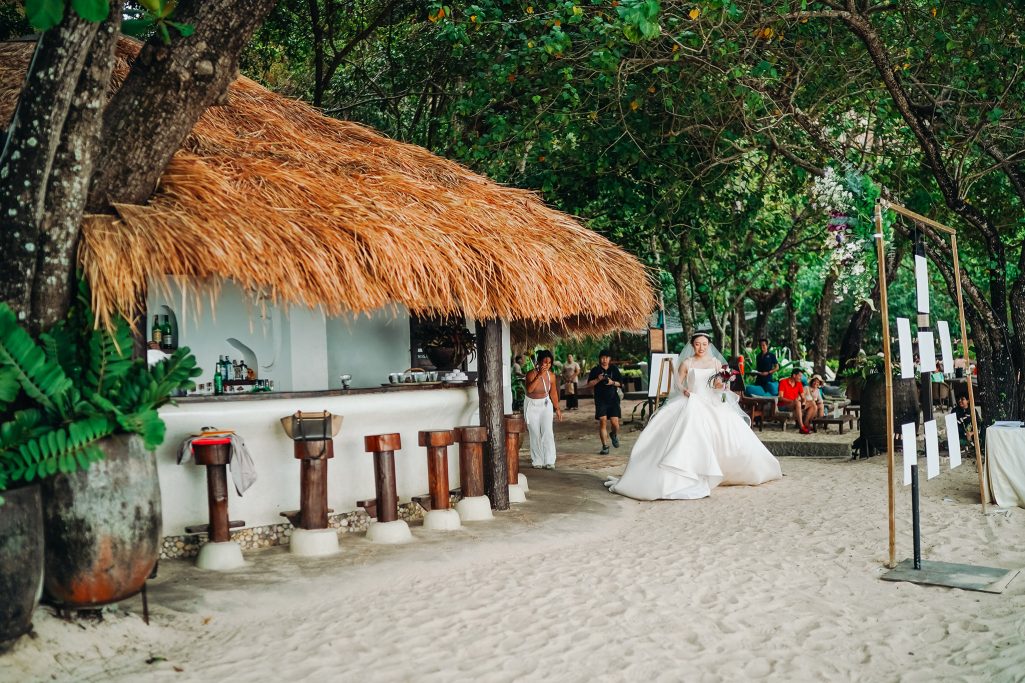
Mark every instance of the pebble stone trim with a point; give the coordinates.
(253, 538)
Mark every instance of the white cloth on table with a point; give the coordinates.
(539, 413)
(240, 463)
(691, 445)
(1005, 463)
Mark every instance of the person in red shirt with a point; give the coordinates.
(790, 390)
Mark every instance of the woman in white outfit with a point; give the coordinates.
(539, 407)
(698, 440)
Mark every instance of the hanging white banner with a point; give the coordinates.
(953, 440)
(926, 351)
(907, 356)
(932, 450)
(922, 284)
(946, 350)
(908, 441)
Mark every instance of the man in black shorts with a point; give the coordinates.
(606, 380)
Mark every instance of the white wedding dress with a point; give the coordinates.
(691, 445)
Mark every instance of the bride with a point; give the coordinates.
(699, 439)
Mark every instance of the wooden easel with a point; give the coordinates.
(661, 394)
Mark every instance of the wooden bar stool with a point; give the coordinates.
(220, 552)
(474, 505)
(439, 516)
(311, 536)
(515, 425)
(388, 528)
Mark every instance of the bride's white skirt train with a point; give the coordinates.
(691, 446)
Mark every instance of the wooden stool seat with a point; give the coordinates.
(471, 459)
(214, 453)
(437, 442)
(385, 507)
(436, 438)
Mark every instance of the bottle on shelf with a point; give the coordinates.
(218, 382)
(158, 331)
(243, 370)
(167, 341)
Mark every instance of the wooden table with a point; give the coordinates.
(758, 408)
(846, 418)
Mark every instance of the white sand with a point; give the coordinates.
(778, 582)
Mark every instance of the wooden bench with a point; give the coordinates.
(759, 409)
(846, 418)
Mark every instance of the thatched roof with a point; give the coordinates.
(271, 194)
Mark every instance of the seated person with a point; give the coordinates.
(812, 401)
(790, 390)
(964, 420)
(937, 375)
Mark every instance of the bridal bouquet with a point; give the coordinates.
(722, 379)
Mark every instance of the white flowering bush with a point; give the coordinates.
(838, 196)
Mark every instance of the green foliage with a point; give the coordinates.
(155, 17)
(73, 387)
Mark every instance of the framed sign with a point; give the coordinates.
(656, 340)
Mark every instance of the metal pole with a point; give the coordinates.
(888, 376)
(915, 519)
(925, 377)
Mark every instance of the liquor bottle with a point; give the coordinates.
(158, 331)
(234, 370)
(218, 382)
(167, 343)
(243, 370)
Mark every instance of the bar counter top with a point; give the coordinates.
(355, 391)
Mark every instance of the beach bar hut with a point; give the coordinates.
(311, 248)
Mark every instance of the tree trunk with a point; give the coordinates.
(683, 302)
(167, 90)
(765, 302)
(26, 164)
(491, 400)
(793, 337)
(52, 290)
(819, 332)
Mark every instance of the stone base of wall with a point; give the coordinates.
(252, 538)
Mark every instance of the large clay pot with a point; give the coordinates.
(873, 409)
(21, 561)
(444, 358)
(102, 527)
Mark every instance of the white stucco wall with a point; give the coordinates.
(367, 347)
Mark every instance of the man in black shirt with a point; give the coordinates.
(606, 380)
(765, 365)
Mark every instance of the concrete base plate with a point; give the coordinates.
(389, 532)
(475, 509)
(220, 556)
(964, 576)
(523, 482)
(313, 542)
(442, 520)
(516, 494)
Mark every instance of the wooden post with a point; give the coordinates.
(215, 457)
(383, 446)
(888, 376)
(491, 399)
(437, 443)
(514, 427)
(471, 468)
(979, 463)
(313, 482)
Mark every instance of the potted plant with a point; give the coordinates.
(866, 374)
(447, 343)
(76, 399)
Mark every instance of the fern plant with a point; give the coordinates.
(63, 393)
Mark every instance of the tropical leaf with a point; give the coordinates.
(42, 378)
(91, 10)
(44, 14)
(147, 424)
(171, 374)
(110, 357)
(9, 386)
(65, 448)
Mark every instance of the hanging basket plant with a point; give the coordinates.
(448, 344)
